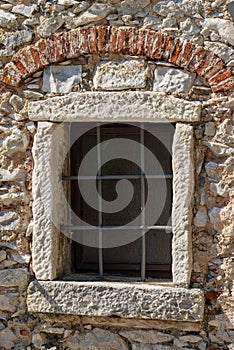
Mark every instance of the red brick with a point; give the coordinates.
(40, 46)
(55, 48)
(212, 295)
(140, 42)
(101, 30)
(24, 333)
(220, 76)
(158, 45)
(186, 53)
(176, 52)
(36, 57)
(149, 43)
(83, 41)
(70, 44)
(113, 40)
(198, 55)
(215, 67)
(20, 66)
(132, 41)
(169, 46)
(92, 40)
(225, 86)
(121, 40)
(202, 65)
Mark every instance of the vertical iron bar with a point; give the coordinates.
(100, 252)
(142, 163)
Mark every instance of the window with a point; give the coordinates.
(148, 255)
(49, 292)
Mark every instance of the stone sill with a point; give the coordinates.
(124, 300)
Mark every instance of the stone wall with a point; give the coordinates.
(180, 48)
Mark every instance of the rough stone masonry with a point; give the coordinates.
(179, 50)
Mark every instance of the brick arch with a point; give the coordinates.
(121, 40)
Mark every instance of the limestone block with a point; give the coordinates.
(214, 170)
(17, 103)
(120, 75)
(25, 10)
(99, 339)
(225, 52)
(7, 19)
(150, 347)
(61, 78)
(201, 217)
(16, 142)
(219, 149)
(183, 189)
(215, 217)
(7, 338)
(94, 13)
(116, 299)
(9, 220)
(223, 27)
(146, 337)
(14, 278)
(180, 9)
(9, 302)
(12, 41)
(15, 175)
(169, 79)
(50, 26)
(133, 6)
(3, 255)
(115, 106)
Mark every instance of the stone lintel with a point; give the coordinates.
(132, 106)
(116, 299)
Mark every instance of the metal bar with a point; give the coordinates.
(142, 166)
(126, 267)
(89, 227)
(99, 184)
(113, 177)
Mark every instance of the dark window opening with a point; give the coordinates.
(148, 257)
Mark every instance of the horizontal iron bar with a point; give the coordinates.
(86, 228)
(125, 267)
(113, 177)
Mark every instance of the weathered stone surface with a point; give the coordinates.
(9, 220)
(25, 10)
(201, 217)
(38, 340)
(150, 347)
(17, 102)
(3, 255)
(9, 302)
(61, 78)
(7, 19)
(180, 9)
(120, 75)
(225, 52)
(7, 338)
(146, 337)
(94, 13)
(98, 339)
(15, 175)
(11, 41)
(214, 170)
(49, 209)
(15, 142)
(215, 217)
(183, 189)
(14, 278)
(210, 129)
(220, 189)
(116, 299)
(168, 79)
(32, 95)
(223, 27)
(49, 26)
(114, 106)
(133, 6)
(189, 27)
(219, 149)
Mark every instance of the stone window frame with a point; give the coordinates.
(174, 302)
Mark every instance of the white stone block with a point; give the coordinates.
(120, 75)
(169, 79)
(61, 78)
